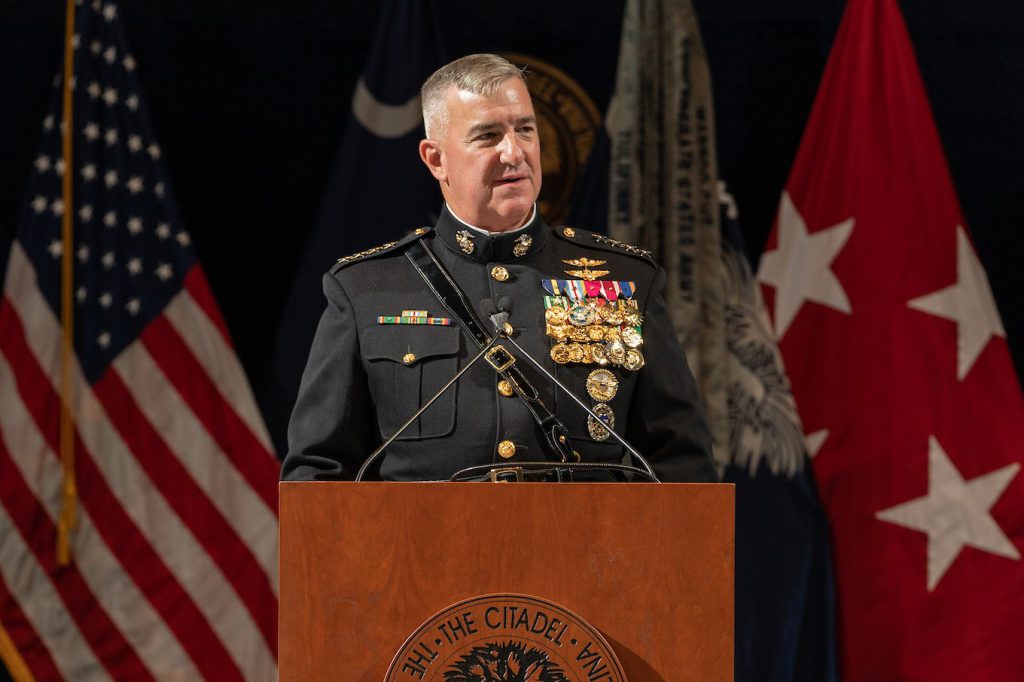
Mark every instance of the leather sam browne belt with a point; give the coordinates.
(440, 282)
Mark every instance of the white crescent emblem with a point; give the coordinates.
(384, 120)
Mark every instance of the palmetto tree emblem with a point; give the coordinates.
(508, 662)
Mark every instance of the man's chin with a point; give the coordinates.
(514, 215)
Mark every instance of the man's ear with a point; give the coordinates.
(433, 157)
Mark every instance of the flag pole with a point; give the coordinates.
(68, 519)
(12, 658)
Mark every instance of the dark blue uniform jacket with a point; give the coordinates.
(363, 379)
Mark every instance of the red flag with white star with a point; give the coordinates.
(902, 374)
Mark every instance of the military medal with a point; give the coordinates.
(599, 430)
(560, 353)
(465, 240)
(616, 352)
(559, 332)
(602, 385)
(581, 315)
(609, 315)
(575, 352)
(634, 360)
(578, 334)
(632, 338)
(630, 313)
(586, 319)
(556, 315)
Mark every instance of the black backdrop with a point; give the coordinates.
(249, 99)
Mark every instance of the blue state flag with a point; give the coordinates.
(785, 600)
(378, 190)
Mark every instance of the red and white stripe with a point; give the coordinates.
(175, 558)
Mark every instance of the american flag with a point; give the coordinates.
(173, 572)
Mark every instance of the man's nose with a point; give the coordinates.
(511, 150)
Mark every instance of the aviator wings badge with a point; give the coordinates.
(586, 273)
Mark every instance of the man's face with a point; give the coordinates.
(488, 160)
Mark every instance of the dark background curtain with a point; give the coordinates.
(249, 101)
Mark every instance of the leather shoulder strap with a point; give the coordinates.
(440, 282)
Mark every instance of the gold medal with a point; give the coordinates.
(597, 352)
(560, 353)
(556, 315)
(558, 332)
(575, 352)
(595, 332)
(632, 338)
(578, 334)
(610, 315)
(588, 357)
(630, 313)
(612, 334)
(602, 385)
(616, 352)
(634, 360)
(599, 430)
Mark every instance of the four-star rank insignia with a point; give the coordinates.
(369, 252)
(586, 273)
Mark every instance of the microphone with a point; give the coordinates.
(498, 314)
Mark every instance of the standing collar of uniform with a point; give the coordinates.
(487, 247)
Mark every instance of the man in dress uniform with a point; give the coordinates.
(589, 307)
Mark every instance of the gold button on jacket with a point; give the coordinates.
(506, 449)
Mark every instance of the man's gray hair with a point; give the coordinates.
(480, 74)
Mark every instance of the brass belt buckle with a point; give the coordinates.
(499, 358)
(515, 472)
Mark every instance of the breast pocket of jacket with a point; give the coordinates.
(407, 364)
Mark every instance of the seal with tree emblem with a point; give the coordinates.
(505, 638)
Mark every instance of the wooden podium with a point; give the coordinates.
(364, 565)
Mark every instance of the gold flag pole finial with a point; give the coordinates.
(68, 519)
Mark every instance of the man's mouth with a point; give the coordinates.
(510, 181)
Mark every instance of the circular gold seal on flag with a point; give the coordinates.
(567, 122)
(511, 637)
